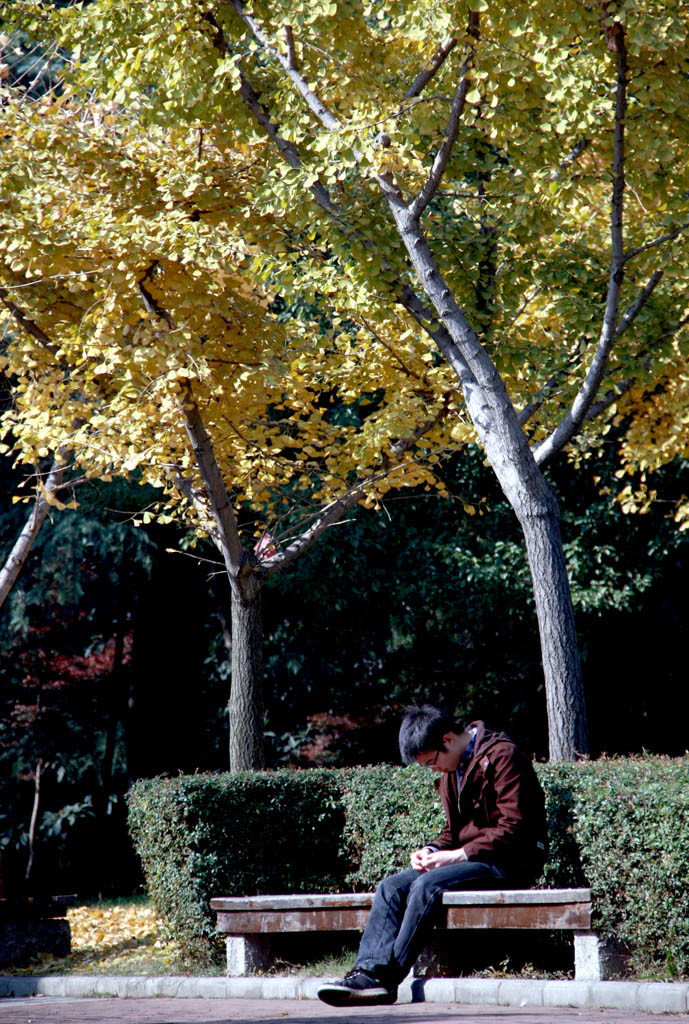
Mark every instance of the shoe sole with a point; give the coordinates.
(338, 995)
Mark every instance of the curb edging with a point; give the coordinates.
(651, 997)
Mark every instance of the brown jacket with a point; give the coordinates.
(500, 816)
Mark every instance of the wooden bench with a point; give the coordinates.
(249, 921)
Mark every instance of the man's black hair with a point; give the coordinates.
(423, 729)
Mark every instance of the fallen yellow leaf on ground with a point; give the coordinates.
(125, 937)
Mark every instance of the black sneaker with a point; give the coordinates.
(358, 988)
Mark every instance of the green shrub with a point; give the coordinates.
(389, 812)
(201, 836)
(616, 825)
(630, 820)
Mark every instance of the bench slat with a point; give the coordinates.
(293, 902)
(572, 916)
(502, 908)
(519, 896)
(356, 900)
(264, 922)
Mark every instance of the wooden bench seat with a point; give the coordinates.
(249, 921)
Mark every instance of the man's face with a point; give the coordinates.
(446, 760)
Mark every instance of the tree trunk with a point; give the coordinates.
(116, 711)
(246, 691)
(524, 486)
(34, 817)
(565, 702)
(22, 547)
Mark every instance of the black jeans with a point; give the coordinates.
(403, 914)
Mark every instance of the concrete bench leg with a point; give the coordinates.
(588, 961)
(597, 959)
(247, 953)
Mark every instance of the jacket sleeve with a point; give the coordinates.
(446, 840)
(508, 829)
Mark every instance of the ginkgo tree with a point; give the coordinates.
(510, 207)
(137, 342)
(496, 191)
(657, 432)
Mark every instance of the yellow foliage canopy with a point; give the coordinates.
(215, 219)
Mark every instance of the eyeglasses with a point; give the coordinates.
(432, 761)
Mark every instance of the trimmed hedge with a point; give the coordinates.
(630, 821)
(200, 836)
(618, 825)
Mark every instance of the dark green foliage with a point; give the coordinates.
(65, 637)
(631, 821)
(422, 601)
(389, 812)
(618, 825)
(209, 835)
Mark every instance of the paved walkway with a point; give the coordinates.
(64, 1010)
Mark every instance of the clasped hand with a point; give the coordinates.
(425, 859)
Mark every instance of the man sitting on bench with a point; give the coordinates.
(494, 838)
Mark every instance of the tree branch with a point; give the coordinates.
(434, 324)
(17, 557)
(610, 397)
(623, 386)
(639, 302)
(657, 241)
(395, 355)
(571, 158)
(234, 555)
(291, 53)
(587, 392)
(333, 512)
(442, 157)
(313, 101)
(150, 303)
(545, 392)
(288, 150)
(529, 410)
(227, 538)
(426, 74)
(29, 325)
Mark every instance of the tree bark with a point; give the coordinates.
(34, 817)
(246, 692)
(565, 700)
(524, 486)
(116, 710)
(25, 541)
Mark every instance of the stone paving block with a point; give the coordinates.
(438, 990)
(23, 986)
(520, 992)
(569, 993)
(477, 991)
(157, 987)
(146, 988)
(81, 986)
(279, 988)
(614, 995)
(135, 987)
(212, 988)
(175, 988)
(244, 988)
(662, 997)
(108, 987)
(308, 987)
(51, 986)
